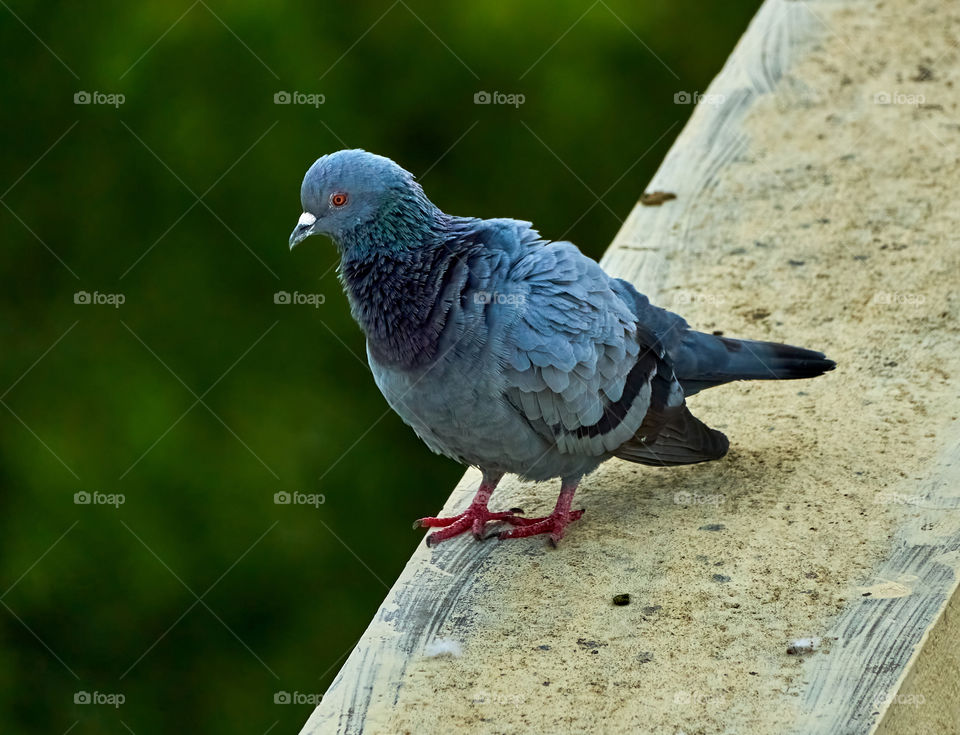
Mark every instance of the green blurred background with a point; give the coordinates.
(199, 398)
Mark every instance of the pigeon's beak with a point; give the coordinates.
(303, 229)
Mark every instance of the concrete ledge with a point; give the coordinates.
(807, 211)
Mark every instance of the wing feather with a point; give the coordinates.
(580, 368)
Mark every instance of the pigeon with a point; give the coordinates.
(515, 354)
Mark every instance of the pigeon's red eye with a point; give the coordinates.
(338, 199)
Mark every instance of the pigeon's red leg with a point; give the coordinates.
(556, 522)
(473, 518)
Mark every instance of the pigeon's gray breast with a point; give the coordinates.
(536, 371)
(456, 403)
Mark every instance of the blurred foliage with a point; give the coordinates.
(199, 398)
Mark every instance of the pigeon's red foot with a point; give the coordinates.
(472, 519)
(555, 524)
(477, 516)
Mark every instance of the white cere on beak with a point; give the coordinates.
(306, 219)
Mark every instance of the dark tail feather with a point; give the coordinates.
(683, 439)
(704, 360)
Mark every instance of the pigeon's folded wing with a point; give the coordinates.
(579, 368)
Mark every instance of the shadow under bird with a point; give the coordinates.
(515, 354)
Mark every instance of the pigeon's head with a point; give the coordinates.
(349, 190)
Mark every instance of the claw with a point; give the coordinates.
(473, 519)
(477, 516)
(555, 524)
